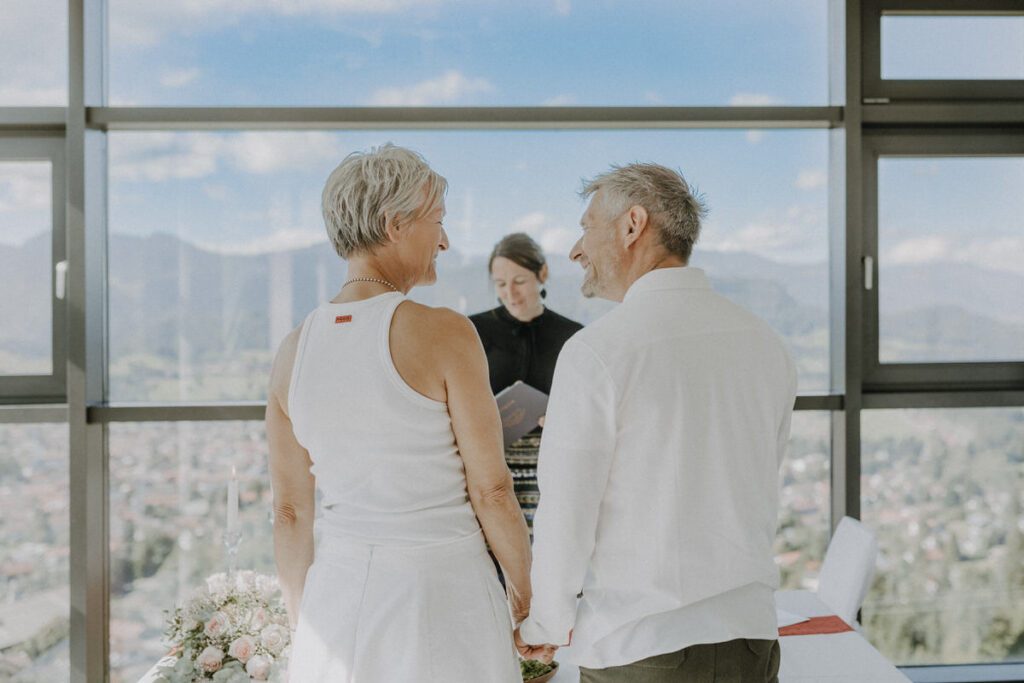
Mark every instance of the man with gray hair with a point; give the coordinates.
(658, 467)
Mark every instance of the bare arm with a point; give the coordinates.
(477, 428)
(293, 486)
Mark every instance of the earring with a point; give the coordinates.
(543, 293)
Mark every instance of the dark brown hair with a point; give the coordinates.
(520, 249)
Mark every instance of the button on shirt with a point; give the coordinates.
(667, 421)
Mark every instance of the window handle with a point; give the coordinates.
(60, 272)
(869, 272)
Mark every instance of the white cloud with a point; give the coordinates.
(554, 238)
(746, 99)
(33, 54)
(449, 88)
(563, 7)
(158, 157)
(178, 78)
(146, 22)
(797, 234)
(25, 201)
(810, 179)
(754, 136)
(1000, 253)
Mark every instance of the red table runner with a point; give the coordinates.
(816, 626)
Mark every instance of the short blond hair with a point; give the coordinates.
(369, 187)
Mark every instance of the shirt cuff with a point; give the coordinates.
(533, 633)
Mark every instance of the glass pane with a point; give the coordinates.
(944, 491)
(217, 247)
(34, 530)
(953, 47)
(804, 500)
(168, 491)
(950, 240)
(427, 52)
(34, 53)
(26, 260)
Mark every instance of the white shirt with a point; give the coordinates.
(658, 468)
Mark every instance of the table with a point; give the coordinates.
(834, 658)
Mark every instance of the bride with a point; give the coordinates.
(384, 404)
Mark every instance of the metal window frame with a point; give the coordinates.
(941, 376)
(878, 88)
(49, 388)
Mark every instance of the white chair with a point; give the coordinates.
(848, 569)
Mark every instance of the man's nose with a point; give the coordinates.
(577, 250)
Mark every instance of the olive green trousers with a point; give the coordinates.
(735, 661)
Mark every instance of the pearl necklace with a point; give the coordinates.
(370, 279)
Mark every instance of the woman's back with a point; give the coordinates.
(384, 455)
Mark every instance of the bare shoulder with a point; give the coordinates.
(441, 331)
(281, 371)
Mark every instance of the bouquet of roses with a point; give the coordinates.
(232, 630)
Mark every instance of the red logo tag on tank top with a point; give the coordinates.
(342, 319)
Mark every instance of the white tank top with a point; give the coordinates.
(384, 455)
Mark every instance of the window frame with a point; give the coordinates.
(878, 89)
(49, 388)
(934, 376)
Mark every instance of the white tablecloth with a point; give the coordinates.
(833, 658)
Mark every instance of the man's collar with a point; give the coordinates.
(684, 277)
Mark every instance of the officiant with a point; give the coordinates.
(522, 339)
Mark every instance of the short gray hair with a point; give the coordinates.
(369, 187)
(675, 210)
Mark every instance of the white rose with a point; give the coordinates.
(210, 660)
(274, 638)
(258, 667)
(217, 584)
(243, 648)
(259, 619)
(217, 625)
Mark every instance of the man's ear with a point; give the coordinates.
(543, 274)
(636, 223)
(392, 227)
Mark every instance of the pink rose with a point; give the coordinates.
(274, 638)
(217, 625)
(243, 648)
(258, 667)
(210, 660)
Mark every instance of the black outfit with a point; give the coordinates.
(522, 351)
(518, 351)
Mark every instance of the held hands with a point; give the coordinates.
(544, 653)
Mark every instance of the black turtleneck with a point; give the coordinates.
(522, 351)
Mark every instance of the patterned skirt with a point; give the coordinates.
(521, 457)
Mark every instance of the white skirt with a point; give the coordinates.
(403, 614)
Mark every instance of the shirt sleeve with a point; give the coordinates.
(787, 415)
(575, 458)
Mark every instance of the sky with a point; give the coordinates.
(255, 191)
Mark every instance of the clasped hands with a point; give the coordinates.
(520, 607)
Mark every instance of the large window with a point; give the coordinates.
(34, 607)
(168, 492)
(950, 241)
(944, 489)
(217, 247)
(426, 53)
(160, 172)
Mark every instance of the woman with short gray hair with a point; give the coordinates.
(384, 404)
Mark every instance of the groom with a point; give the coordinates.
(658, 467)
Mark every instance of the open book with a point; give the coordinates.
(520, 406)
